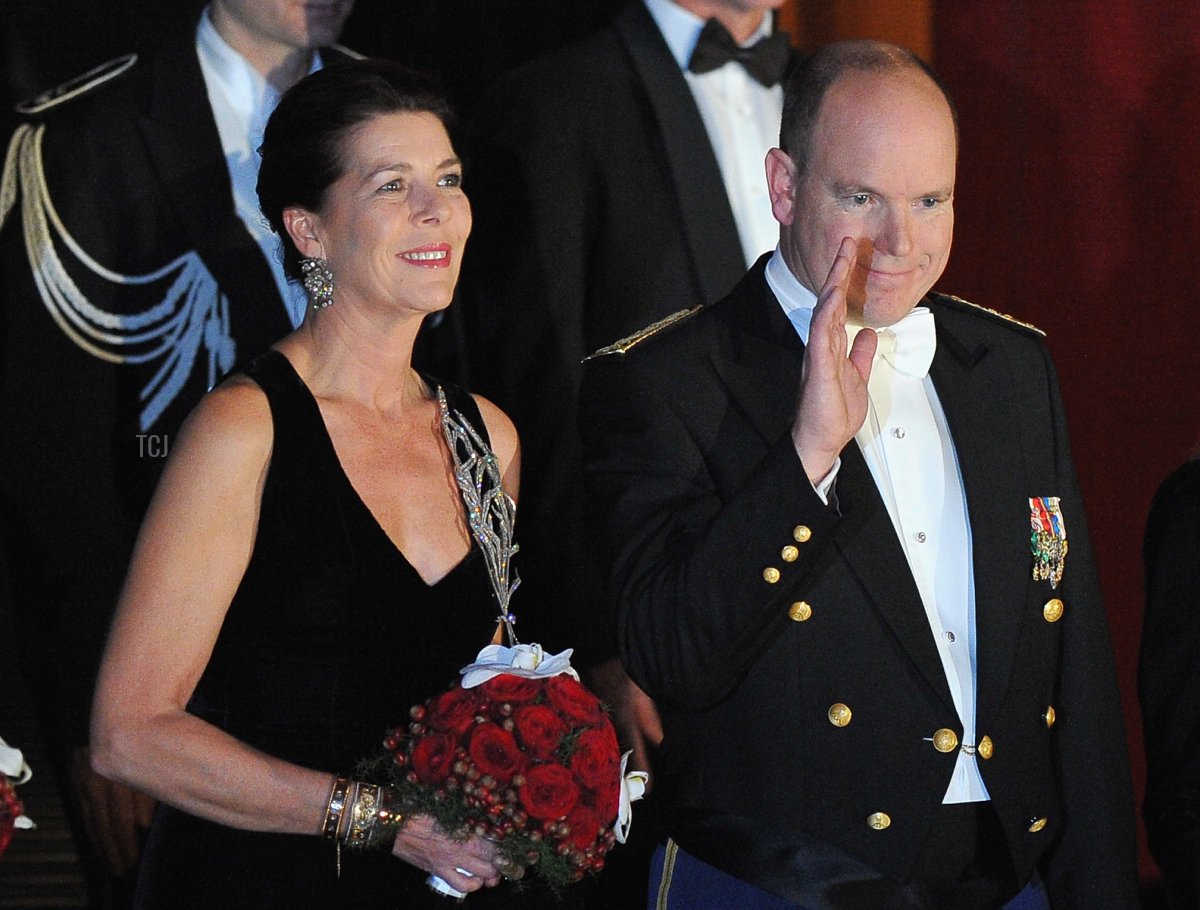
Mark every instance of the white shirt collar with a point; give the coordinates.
(798, 301)
(244, 87)
(682, 28)
(247, 92)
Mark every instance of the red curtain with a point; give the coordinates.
(1078, 205)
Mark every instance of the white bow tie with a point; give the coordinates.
(909, 344)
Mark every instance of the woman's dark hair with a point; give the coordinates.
(304, 143)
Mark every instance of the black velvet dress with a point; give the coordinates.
(331, 637)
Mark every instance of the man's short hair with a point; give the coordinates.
(806, 87)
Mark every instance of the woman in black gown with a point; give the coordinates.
(305, 572)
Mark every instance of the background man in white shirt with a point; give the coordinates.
(612, 185)
(137, 273)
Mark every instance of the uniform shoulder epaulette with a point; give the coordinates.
(347, 51)
(179, 316)
(1011, 320)
(79, 85)
(625, 345)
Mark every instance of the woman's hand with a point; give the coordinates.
(423, 844)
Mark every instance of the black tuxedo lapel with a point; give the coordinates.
(760, 366)
(708, 225)
(969, 378)
(184, 148)
(760, 355)
(867, 540)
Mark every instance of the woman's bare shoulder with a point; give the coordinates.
(503, 434)
(231, 423)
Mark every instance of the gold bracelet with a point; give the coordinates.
(372, 818)
(335, 807)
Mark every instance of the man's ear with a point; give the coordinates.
(304, 228)
(781, 185)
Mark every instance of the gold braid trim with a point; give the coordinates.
(625, 345)
(77, 86)
(975, 306)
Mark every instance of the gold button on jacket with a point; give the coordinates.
(800, 611)
(770, 575)
(789, 553)
(801, 534)
(1036, 825)
(1053, 610)
(879, 820)
(1049, 716)
(945, 740)
(985, 748)
(839, 714)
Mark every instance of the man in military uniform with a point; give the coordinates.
(138, 271)
(875, 691)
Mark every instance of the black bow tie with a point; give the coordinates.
(766, 60)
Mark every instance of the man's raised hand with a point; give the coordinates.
(832, 403)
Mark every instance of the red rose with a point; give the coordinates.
(585, 827)
(454, 711)
(596, 762)
(570, 698)
(539, 729)
(495, 752)
(10, 810)
(433, 755)
(549, 791)
(512, 689)
(605, 801)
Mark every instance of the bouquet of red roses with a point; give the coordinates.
(519, 752)
(13, 770)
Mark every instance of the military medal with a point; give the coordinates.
(1048, 539)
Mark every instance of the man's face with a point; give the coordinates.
(298, 24)
(881, 171)
(709, 9)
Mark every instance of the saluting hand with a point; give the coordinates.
(833, 385)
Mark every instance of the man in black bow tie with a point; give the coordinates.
(615, 185)
(849, 557)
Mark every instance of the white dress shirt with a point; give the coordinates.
(242, 101)
(907, 446)
(741, 117)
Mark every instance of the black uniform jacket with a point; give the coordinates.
(748, 646)
(133, 169)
